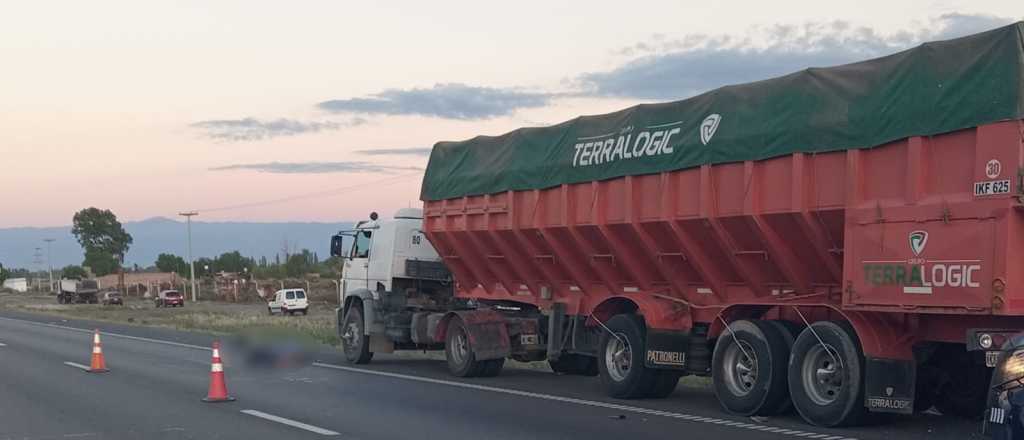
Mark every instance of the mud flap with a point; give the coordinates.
(889, 385)
(666, 349)
(487, 331)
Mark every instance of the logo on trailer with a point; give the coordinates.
(918, 239)
(920, 275)
(709, 127)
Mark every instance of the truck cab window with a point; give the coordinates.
(361, 247)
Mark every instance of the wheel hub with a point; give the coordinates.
(823, 374)
(741, 362)
(618, 357)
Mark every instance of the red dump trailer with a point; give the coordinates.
(843, 240)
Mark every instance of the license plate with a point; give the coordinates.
(991, 187)
(991, 358)
(528, 339)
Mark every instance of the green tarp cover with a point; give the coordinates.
(934, 88)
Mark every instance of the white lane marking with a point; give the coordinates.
(117, 335)
(288, 422)
(72, 364)
(2, 344)
(593, 403)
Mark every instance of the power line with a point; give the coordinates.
(313, 195)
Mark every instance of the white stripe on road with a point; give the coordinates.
(117, 335)
(72, 364)
(288, 422)
(2, 344)
(592, 403)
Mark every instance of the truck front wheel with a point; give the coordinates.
(621, 360)
(354, 342)
(826, 375)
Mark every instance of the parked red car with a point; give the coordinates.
(170, 298)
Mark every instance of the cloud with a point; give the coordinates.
(252, 129)
(450, 101)
(316, 167)
(415, 151)
(665, 68)
(958, 25)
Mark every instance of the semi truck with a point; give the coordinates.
(840, 241)
(77, 291)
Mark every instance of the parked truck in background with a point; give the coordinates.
(841, 241)
(77, 292)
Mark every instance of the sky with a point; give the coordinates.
(326, 110)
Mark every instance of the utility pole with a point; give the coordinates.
(191, 263)
(48, 262)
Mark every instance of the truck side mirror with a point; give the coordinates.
(337, 246)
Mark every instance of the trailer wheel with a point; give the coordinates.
(663, 383)
(574, 364)
(491, 368)
(749, 368)
(621, 360)
(459, 353)
(826, 378)
(353, 340)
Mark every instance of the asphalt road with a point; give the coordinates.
(159, 376)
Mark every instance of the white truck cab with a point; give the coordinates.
(397, 294)
(384, 252)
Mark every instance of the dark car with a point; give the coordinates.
(112, 298)
(170, 298)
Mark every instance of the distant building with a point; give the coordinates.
(143, 283)
(16, 284)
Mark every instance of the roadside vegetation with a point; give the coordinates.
(210, 317)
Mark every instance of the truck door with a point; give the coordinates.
(356, 271)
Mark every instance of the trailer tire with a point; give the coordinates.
(459, 353)
(824, 392)
(621, 361)
(574, 364)
(756, 386)
(354, 342)
(663, 383)
(491, 368)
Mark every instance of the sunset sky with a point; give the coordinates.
(325, 110)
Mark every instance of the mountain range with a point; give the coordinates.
(157, 235)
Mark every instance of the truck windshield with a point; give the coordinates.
(361, 247)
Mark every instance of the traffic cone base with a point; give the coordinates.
(218, 391)
(98, 364)
(222, 399)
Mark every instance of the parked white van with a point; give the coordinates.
(288, 301)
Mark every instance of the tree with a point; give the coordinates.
(232, 262)
(4, 274)
(201, 267)
(73, 272)
(172, 263)
(102, 237)
(299, 264)
(100, 262)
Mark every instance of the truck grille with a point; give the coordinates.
(430, 270)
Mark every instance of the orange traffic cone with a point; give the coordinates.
(218, 388)
(98, 365)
